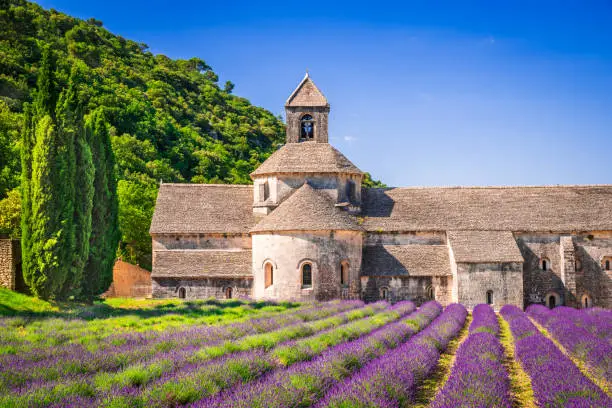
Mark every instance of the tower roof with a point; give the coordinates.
(307, 210)
(306, 157)
(307, 94)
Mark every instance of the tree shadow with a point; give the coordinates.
(197, 308)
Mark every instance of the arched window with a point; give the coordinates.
(182, 293)
(269, 272)
(489, 297)
(384, 294)
(306, 276)
(545, 264)
(431, 292)
(586, 301)
(228, 293)
(607, 265)
(306, 128)
(344, 273)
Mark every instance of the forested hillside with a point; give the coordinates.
(170, 119)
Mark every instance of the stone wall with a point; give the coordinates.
(418, 289)
(405, 238)
(320, 116)
(325, 251)
(165, 288)
(129, 281)
(591, 277)
(281, 187)
(201, 241)
(537, 282)
(504, 280)
(570, 275)
(10, 263)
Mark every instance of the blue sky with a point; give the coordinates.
(422, 93)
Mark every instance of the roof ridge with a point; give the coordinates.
(305, 80)
(206, 185)
(324, 214)
(500, 187)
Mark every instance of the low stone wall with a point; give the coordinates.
(166, 288)
(129, 281)
(10, 263)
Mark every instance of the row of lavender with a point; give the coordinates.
(392, 379)
(56, 362)
(304, 383)
(179, 376)
(596, 353)
(555, 380)
(478, 377)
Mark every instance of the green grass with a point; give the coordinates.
(434, 382)
(521, 392)
(32, 321)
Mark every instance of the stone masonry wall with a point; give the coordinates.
(324, 250)
(414, 288)
(10, 259)
(503, 279)
(591, 277)
(200, 241)
(320, 116)
(569, 275)
(201, 288)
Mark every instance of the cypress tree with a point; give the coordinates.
(46, 274)
(26, 204)
(79, 193)
(48, 222)
(37, 124)
(105, 234)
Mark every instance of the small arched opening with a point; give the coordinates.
(607, 265)
(228, 293)
(269, 274)
(553, 300)
(306, 276)
(489, 297)
(182, 293)
(384, 293)
(545, 264)
(344, 273)
(431, 292)
(586, 301)
(307, 128)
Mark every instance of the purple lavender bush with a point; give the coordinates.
(596, 321)
(596, 353)
(555, 380)
(392, 379)
(478, 377)
(303, 383)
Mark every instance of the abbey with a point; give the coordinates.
(307, 230)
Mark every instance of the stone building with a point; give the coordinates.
(307, 229)
(10, 263)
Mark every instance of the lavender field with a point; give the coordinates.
(337, 354)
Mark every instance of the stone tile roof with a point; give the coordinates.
(307, 210)
(484, 246)
(405, 260)
(306, 157)
(203, 208)
(306, 94)
(546, 208)
(202, 263)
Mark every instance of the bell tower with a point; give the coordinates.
(307, 112)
